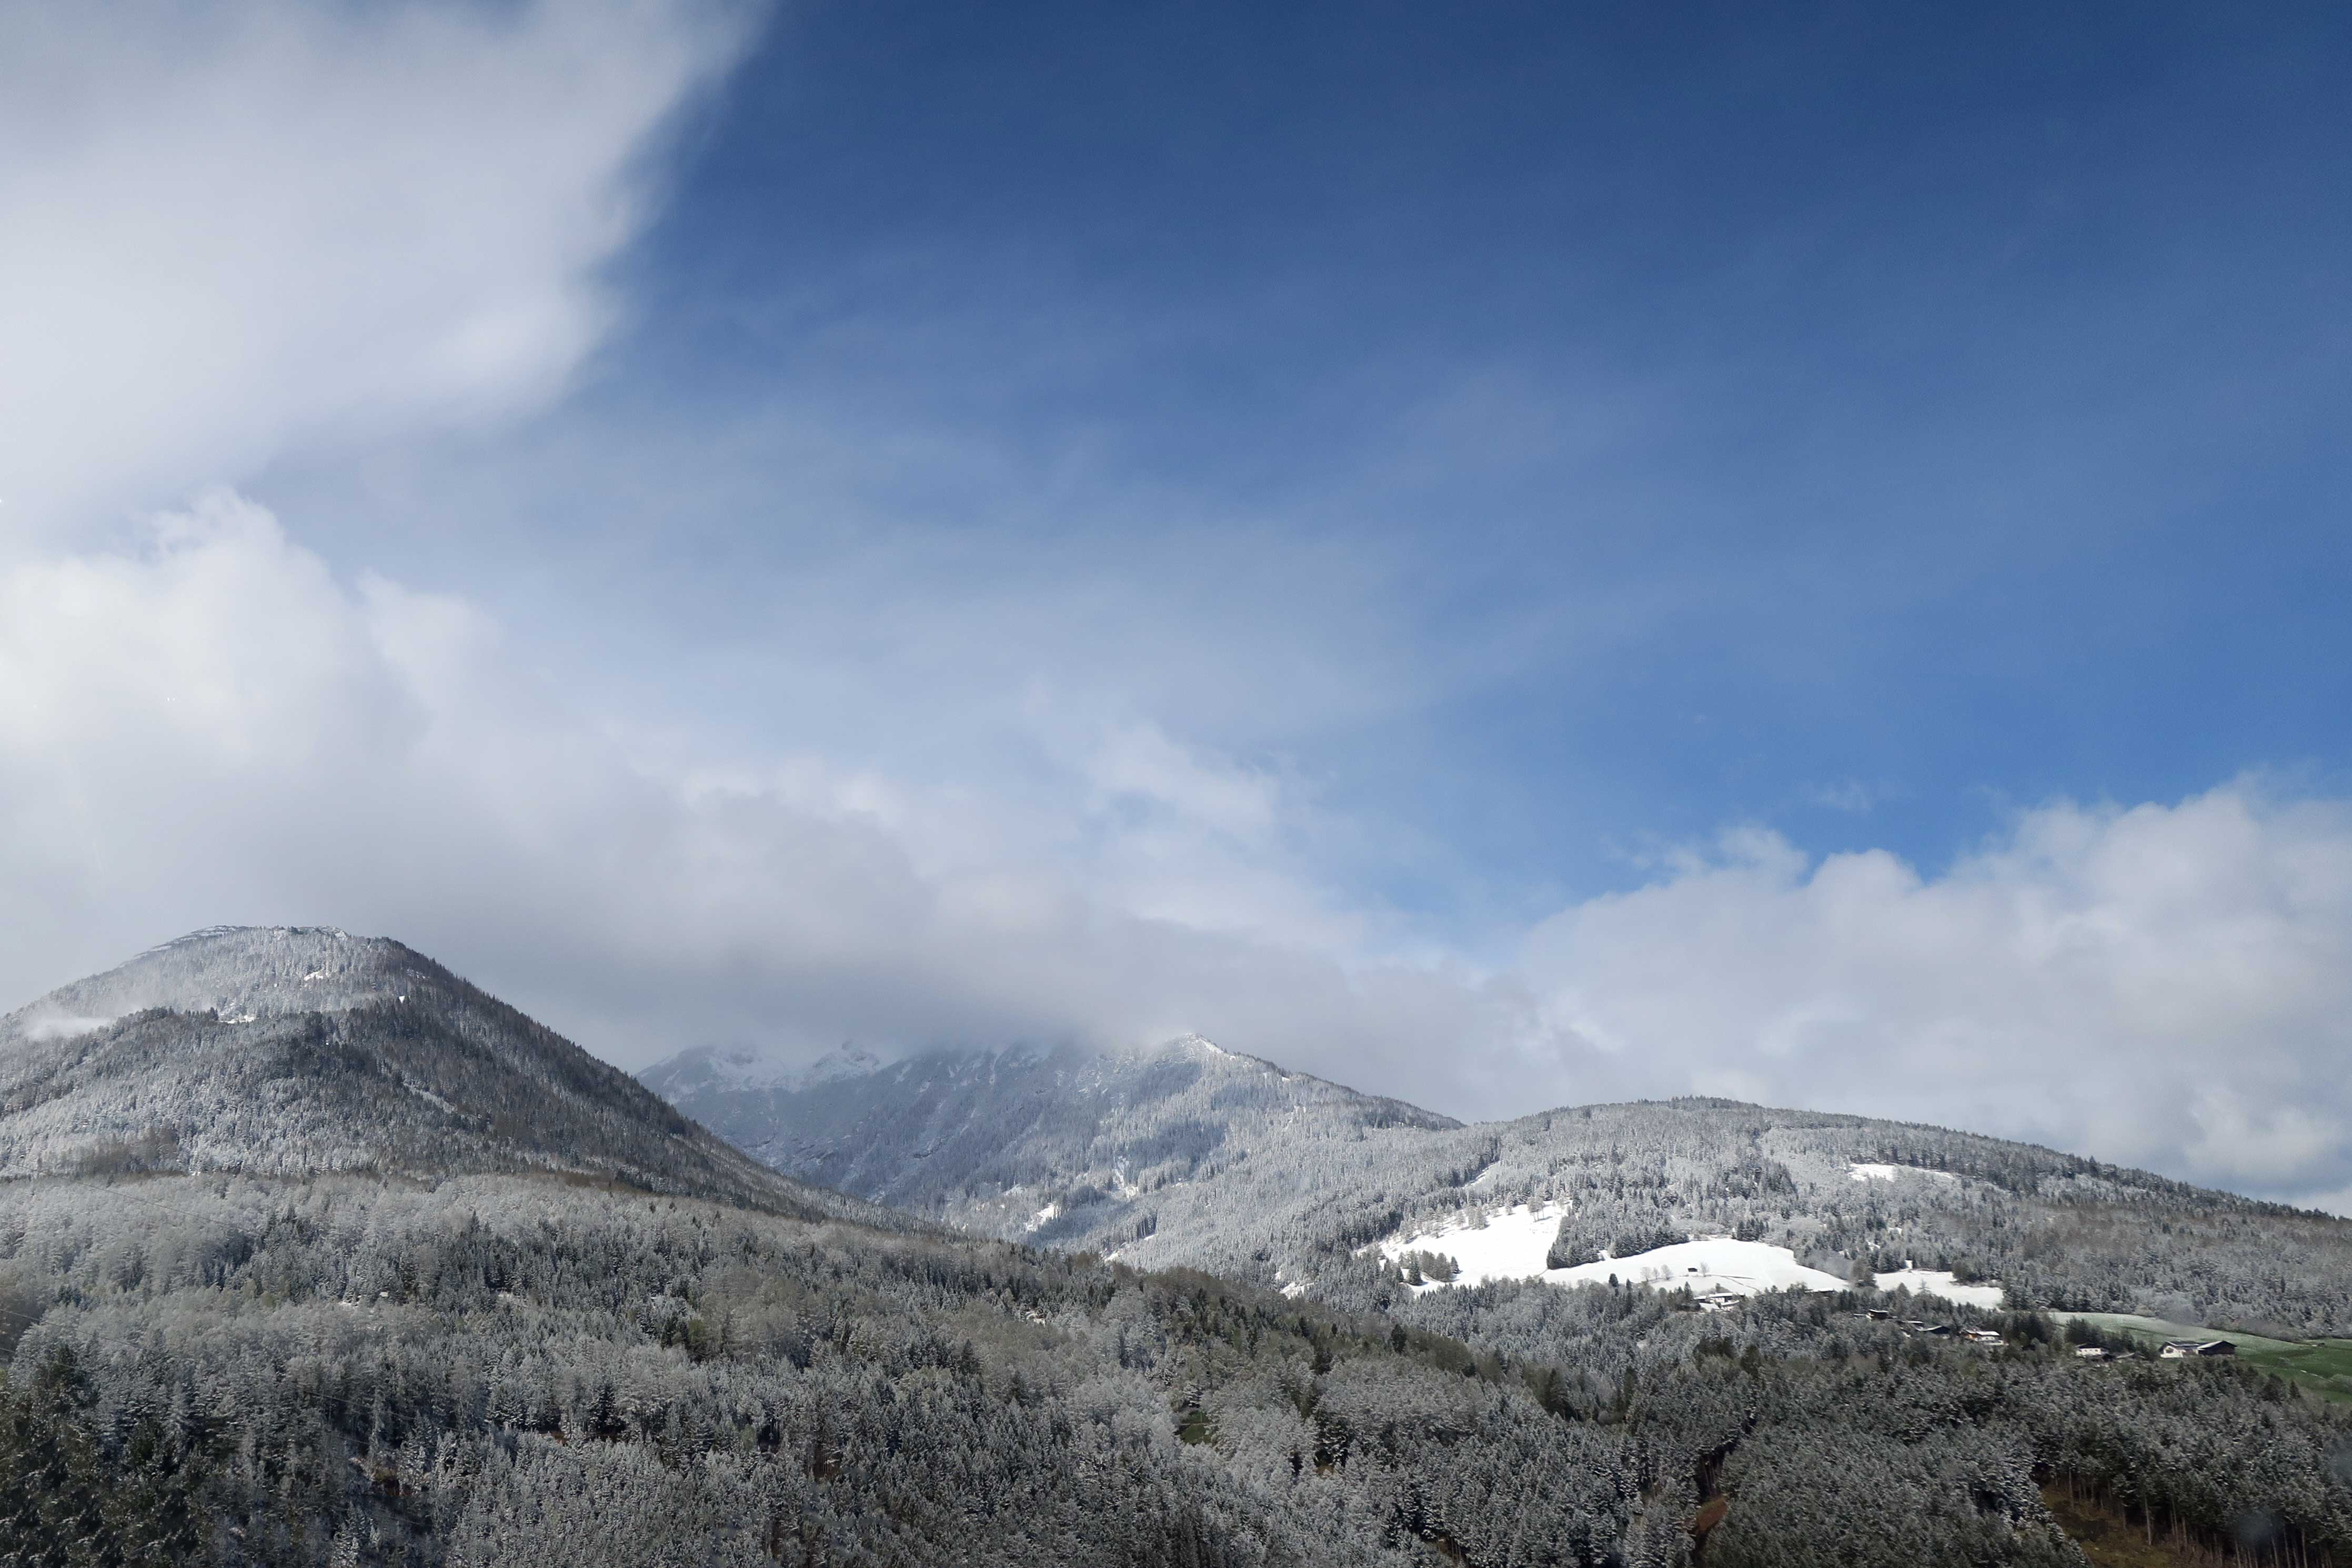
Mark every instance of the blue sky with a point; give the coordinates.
(1858, 423)
(1506, 554)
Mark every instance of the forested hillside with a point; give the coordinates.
(1192, 1155)
(510, 1370)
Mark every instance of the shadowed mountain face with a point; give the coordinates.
(1187, 1154)
(296, 1051)
(1063, 1146)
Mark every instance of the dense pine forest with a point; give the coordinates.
(511, 1370)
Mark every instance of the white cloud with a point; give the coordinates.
(214, 727)
(1138, 762)
(245, 231)
(62, 1028)
(2166, 985)
(237, 227)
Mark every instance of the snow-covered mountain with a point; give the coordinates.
(1064, 1146)
(1186, 1154)
(300, 1050)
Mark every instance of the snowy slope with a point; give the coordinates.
(1513, 1244)
(1510, 1245)
(1939, 1282)
(1873, 1171)
(1713, 1263)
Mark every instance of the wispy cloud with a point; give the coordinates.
(1850, 795)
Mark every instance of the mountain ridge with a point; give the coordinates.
(961, 1136)
(1242, 1173)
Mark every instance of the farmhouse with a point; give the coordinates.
(2093, 1353)
(2181, 1350)
(1983, 1336)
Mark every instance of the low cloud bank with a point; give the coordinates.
(2164, 985)
(213, 727)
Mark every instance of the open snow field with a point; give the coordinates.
(1515, 1244)
(1937, 1282)
(1511, 1245)
(1862, 1171)
(1709, 1265)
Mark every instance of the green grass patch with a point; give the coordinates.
(2321, 1366)
(2156, 1330)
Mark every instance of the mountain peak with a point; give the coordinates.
(298, 1050)
(207, 935)
(239, 972)
(1201, 1043)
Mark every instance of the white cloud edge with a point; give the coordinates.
(272, 223)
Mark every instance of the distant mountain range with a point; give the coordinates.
(1069, 1147)
(1186, 1153)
